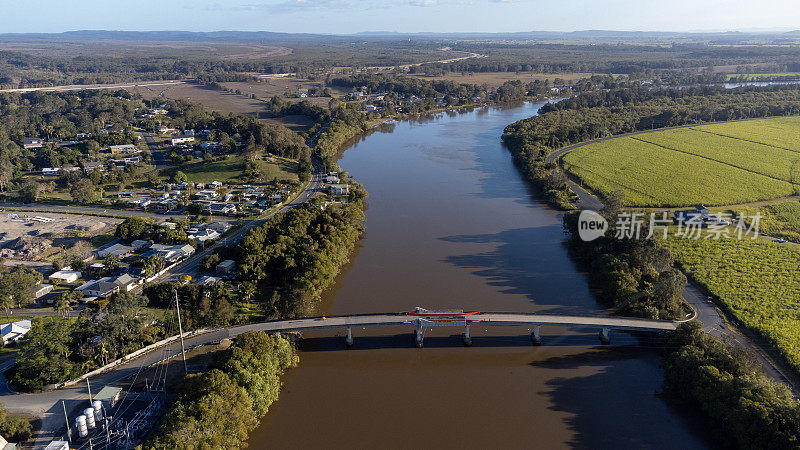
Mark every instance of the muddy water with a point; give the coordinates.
(451, 224)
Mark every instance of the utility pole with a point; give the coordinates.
(90, 391)
(180, 330)
(66, 419)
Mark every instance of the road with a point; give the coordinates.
(714, 320)
(81, 87)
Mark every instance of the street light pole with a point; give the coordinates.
(180, 330)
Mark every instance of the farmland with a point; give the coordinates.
(720, 164)
(757, 280)
(779, 220)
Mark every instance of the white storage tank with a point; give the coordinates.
(98, 410)
(80, 424)
(89, 413)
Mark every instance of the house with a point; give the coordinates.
(226, 267)
(42, 290)
(66, 276)
(219, 227)
(14, 331)
(118, 250)
(68, 143)
(370, 108)
(201, 236)
(332, 179)
(103, 288)
(170, 253)
(89, 166)
(339, 189)
(208, 280)
(699, 214)
(83, 135)
(125, 148)
(50, 171)
(32, 143)
(275, 198)
(222, 208)
(186, 136)
(140, 244)
(132, 160)
(214, 185)
(301, 95)
(207, 195)
(126, 282)
(162, 129)
(159, 111)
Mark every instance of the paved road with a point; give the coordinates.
(81, 87)
(157, 150)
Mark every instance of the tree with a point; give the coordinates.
(179, 177)
(83, 191)
(63, 304)
(44, 356)
(17, 287)
(134, 228)
(29, 191)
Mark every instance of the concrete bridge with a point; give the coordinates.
(420, 319)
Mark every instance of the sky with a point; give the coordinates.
(349, 16)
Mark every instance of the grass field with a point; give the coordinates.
(761, 76)
(758, 281)
(230, 170)
(721, 164)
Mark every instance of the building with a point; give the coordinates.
(170, 253)
(103, 288)
(226, 267)
(201, 236)
(89, 166)
(66, 276)
(109, 395)
(208, 280)
(42, 290)
(126, 282)
(32, 143)
(118, 250)
(339, 189)
(222, 208)
(132, 160)
(125, 148)
(186, 136)
(219, 227)
(57, 445)
(207, 195)
(14, 331)
(50, 171)
(332, 179)
(163, 129)
(140, 244)
(698, 214)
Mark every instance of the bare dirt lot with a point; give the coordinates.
(495, 79)
(61, 224)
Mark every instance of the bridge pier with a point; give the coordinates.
(605, 336)
(418, 335)
(349, 339)
(536, 338)
(466, 337)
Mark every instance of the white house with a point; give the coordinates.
(186, 136)
(42, 290)
(32, 143)
(339, 189)
(14, 331)
(67, 276)
(118, 250)
(50, 171)
(103, 288)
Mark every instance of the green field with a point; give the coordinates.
(779, 220)
(721, 164)
(758, 280)
(762, 76)
(230, 170)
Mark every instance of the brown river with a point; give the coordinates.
(452, 224)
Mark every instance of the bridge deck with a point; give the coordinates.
(484, 319)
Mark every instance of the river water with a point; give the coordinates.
(451, 224)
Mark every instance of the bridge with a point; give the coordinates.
(420, 319)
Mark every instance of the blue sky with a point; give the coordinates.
(346, 16)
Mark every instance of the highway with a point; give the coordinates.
(81, 87)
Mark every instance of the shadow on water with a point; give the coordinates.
(613, 368)
(529, 262)
(453, 340)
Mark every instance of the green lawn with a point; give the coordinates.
(758, 280)
(230, 170)
(721, 164)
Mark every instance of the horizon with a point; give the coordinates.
(347, 17)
